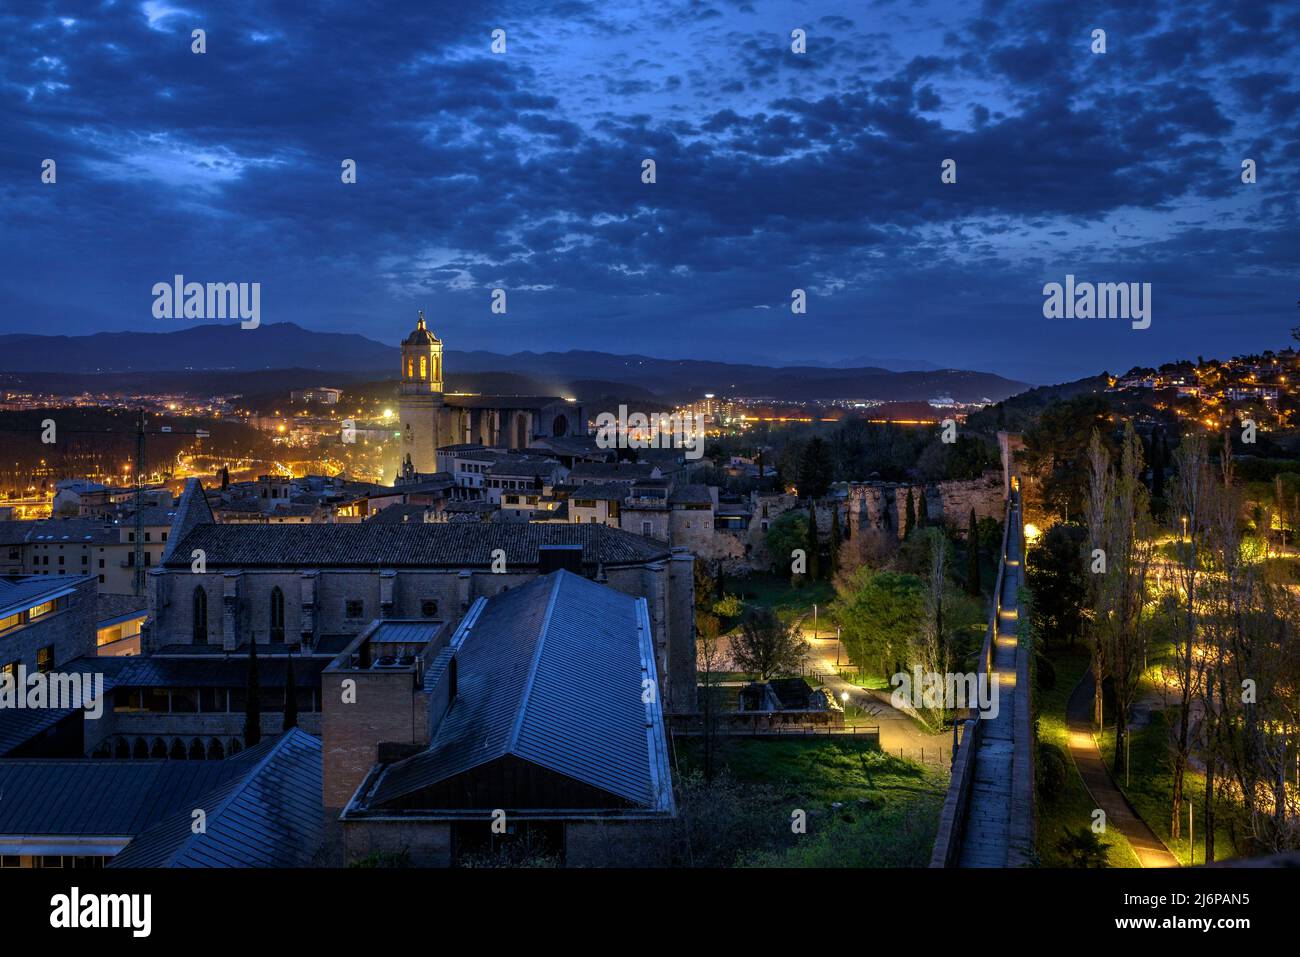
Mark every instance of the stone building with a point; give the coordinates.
(430, 418)
(317, 587)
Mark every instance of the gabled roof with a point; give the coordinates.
(268, 816)
(550, 673)
(405, 545)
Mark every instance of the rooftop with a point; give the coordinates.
(406, 545)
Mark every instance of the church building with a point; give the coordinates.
(431, 418)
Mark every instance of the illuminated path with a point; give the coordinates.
(1150, 851)
(988, 817)
(986, 833)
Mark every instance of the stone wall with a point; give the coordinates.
(883, 505)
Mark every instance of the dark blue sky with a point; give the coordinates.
(775, 171)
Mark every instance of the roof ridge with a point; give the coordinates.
(532, 668)
(232, 788)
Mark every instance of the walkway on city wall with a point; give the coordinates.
(988, 817)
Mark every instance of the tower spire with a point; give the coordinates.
(420, 324)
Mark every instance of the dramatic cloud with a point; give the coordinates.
(775, 170)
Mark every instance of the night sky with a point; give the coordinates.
(775, 171)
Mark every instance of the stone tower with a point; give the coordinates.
(420, 401)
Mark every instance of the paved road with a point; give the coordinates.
(1120, 814)
(898, 730)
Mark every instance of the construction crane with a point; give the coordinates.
(140, 433)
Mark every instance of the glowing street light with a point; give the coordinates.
(1032, 533)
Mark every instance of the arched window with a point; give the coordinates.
(410, 368)
(277, 615)
(200, 615)
(424, 367)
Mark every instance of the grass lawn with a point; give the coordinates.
(1072, 809)
(889, 807)
(772, 591)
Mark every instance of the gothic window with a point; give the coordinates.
(277, 615)
(200, 615)
(424, 367)
(410, 368)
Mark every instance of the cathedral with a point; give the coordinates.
(431, 418)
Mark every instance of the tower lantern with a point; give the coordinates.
(421, 360)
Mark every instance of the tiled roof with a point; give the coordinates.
(605, 471)
(113, 607)
(72, 531)
(399, 513)
(691, 495)
(604, 491)
(550, 673)
(454, 401)
(269, 816)
(407, 545)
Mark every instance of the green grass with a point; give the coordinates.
(889, 806)
(1151, 788)
(1073, 808)
(775, 592)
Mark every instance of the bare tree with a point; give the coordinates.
(767, 646)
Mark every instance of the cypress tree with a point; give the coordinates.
(922, 511)
(290, 695)
(1157, 468)
(253, 704)
(972, 555)
(813, 546)
(833, 565)
(909, 520)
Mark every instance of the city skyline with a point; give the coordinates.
(775, 170)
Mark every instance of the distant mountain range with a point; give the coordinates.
(286, 346)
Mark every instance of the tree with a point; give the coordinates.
(922, 511)
(972, 555)
(876, 612)
(813, 546)
(290, 695)
(253, 704)
(816, 469)
(788, 533)
(1193, 493)
(767, 646)
(1056, 577)
(833, 561)
(708, 659)
(909, 519)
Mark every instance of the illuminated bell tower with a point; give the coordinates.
(420, 399)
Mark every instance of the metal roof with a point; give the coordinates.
(83, 797)
(20, 594)
(406, 631)
(551, 673)
(269, 816)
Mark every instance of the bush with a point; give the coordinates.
(1046, 677)
(727, 607)
(1051, 771)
